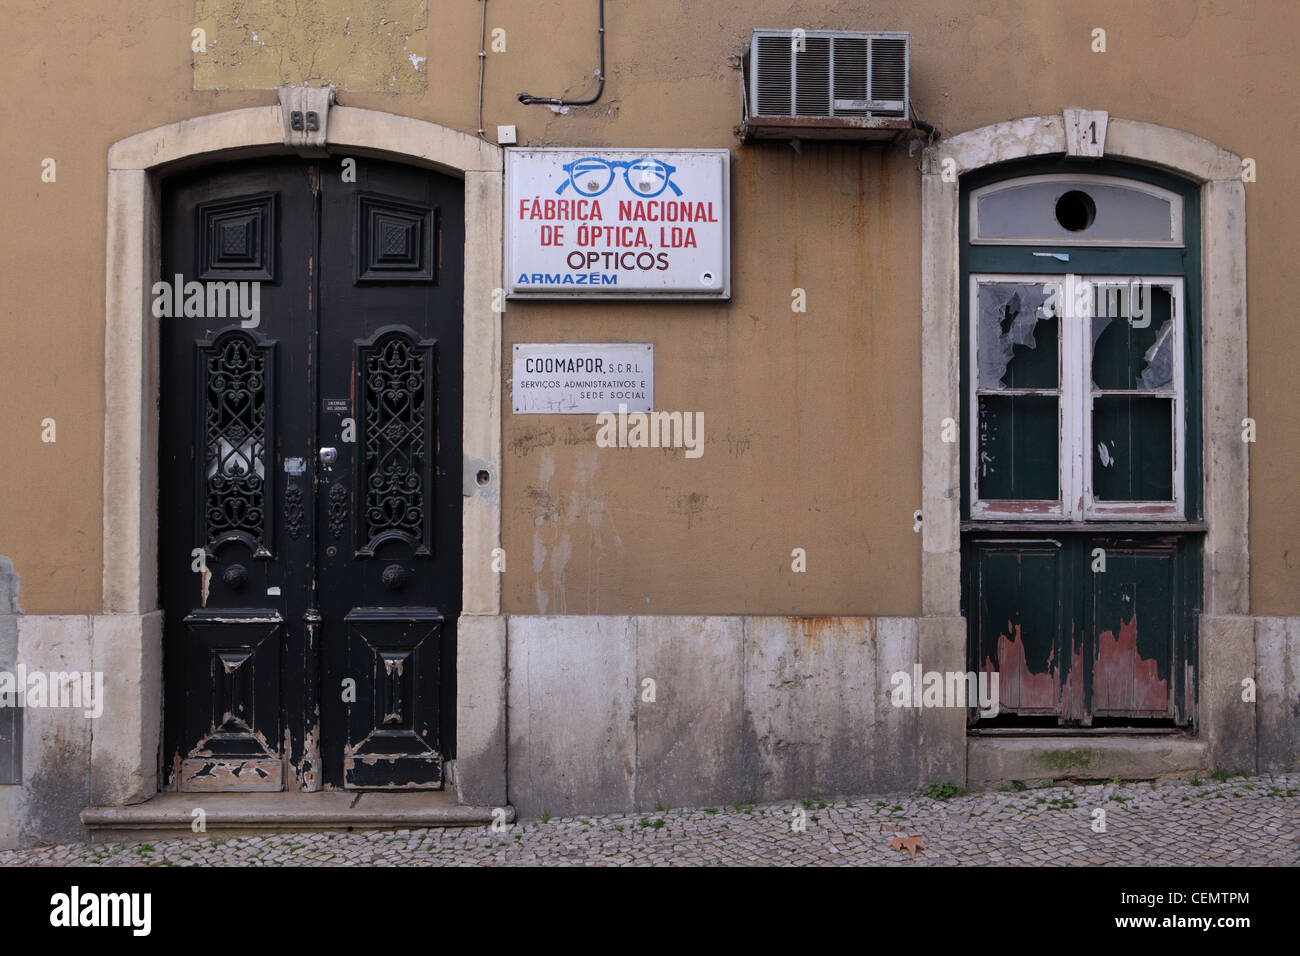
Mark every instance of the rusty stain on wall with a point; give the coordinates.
(359, 45)
(555, 526)
(530, 440)
(691, 505)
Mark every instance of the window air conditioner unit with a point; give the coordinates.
(827, 84)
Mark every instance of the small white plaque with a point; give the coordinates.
(578, 379)
(1085, 133)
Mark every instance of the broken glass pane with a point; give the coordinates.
(1159, 358)
(1133, 340)
(236, 460)
(1017, 337)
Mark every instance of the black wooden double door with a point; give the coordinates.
(309, 484)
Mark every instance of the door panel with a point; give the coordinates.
(234, 409)
(234, 681)
(1133, 628)
(392, 730)
(1020, 598)
(321, 568)
(390, 563)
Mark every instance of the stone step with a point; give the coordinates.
(992, 762)
(171, 815)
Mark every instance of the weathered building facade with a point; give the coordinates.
(299, 530)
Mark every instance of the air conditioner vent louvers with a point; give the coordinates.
(851, 65)
(830, 74)
(889, 71)
(772, 95)
(812, 78)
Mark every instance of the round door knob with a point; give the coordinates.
(235, 576)
(395, 577)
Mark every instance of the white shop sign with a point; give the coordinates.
(583, 379)
(643, 223)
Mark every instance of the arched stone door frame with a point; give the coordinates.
(1227, 652)
(128, 634)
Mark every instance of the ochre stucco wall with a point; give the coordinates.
(811, 420)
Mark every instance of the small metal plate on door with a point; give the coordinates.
(295, 466)
(339, 405)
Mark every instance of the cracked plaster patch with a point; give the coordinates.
(358, 45)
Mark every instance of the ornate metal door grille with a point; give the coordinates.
(395, 373)
(236, 384)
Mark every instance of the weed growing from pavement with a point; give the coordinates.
(943, 790)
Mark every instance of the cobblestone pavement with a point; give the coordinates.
(1241, 820)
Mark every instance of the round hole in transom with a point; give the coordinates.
(1075, 210)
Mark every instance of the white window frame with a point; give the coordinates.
(1174, 509)
(1077, 502)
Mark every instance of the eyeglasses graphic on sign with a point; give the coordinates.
(591, 176)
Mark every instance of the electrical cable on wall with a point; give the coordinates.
(482, 65)
(529, 99)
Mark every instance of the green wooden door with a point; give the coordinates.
(1080, 626)
(1081, 492)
